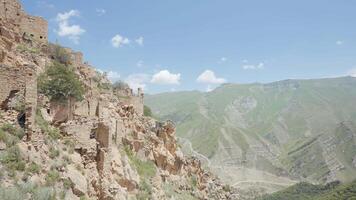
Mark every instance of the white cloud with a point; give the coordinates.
(139, 41)
(113, 76)
(100, 11)
(254, 67)
(45, 5)
(245, 61)
(118, 41)
(165, 77)
(137, 81)
(73, 32)
(208, 76)
(352, 72)
(339, 42)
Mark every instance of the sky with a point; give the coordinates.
(178, 45)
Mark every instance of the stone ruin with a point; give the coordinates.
(128, 97)
(31, 27)
(18, 78)
(22, 82)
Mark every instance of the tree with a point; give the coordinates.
(147, 111)
(120, 85)
(60, 83)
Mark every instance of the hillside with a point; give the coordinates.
(307, 191)
(269, 135)
(67, 132)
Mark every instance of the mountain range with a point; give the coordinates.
(268, 136)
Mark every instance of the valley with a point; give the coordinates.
(269, 136)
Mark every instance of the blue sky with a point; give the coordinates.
(184, 45)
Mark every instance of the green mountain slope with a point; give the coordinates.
(269, 135)
(307, 191)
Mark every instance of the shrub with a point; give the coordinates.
(33, 168)
(120, 85)
(12, 160)
(53, 152)
(60, 83)
(22, 191)
(70, 144)
(194, 181)
(54, 133)
(83, 198)
(145, 191)
(145, 169)
(104, 86)
(11, 193)
(52, 177)
(67, 184)
(147, 111)
(23, 48)
(8, 128)
(44, 193)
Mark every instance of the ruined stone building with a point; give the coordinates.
(18, 77)
(31, 27)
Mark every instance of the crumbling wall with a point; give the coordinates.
(30, 99)
(11, 79)
(128, 98)
(21, 80)
(34, 27)
(11, 10)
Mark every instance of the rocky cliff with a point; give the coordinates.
(99, 147)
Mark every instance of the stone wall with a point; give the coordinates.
(22, 81)
(11, 79)
(34, 27)
(128, 98)
(11, 10)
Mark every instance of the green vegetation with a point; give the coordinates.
(120, 85)
(11, 157)
(171, 192)
(146, 169)
(104, 86)
(52, 132)
(67, 184)
(60, 83)
(33, 168)
(53, 152)
(145, 190)
(147, 111)
(52, 177)
(70, 144)
(307, 191)
(21, 191)
(301, 119)
(11, 135)
(23, 48)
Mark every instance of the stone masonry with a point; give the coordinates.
(28, 26)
